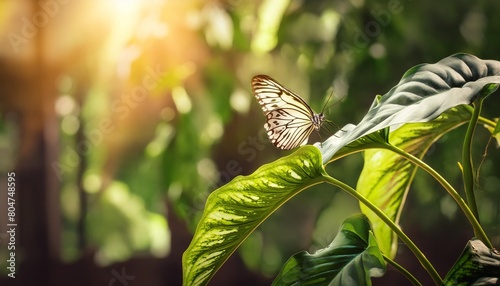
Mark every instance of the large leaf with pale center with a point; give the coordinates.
(233, 211)
(236, 209)
(351, 259)
(424, 92)
(386, 176)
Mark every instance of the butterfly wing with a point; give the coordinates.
(289, 120)
(287, 131)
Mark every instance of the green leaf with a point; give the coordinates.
(386, 176)
(424, 92)
(233, 211)
(496, 131)
(488, 89)
(478, 265)
(351, 259)
(373, 140)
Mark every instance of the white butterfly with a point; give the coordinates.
(289, 120)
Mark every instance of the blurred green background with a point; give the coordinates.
(120, 117)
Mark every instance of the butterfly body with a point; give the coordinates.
(289, 119)
(318, 120)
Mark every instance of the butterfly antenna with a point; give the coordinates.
(325, 107)
(328, 100)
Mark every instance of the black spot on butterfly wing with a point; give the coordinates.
(286, 131)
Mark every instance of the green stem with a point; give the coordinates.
(478, 230)
(420, 256)
(403, 270)
(467, 168)
(486, 121)
(482, 120)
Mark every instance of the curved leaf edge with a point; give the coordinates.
(304, 267)
(188, 278)
(461, 77)
(400, 138)
(477, 265)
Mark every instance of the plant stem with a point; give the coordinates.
(482, 120)
(420, 256)
(467, 168)
(486, 121)
(403, 270)
(478, 230)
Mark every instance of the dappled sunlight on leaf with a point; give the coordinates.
(233, 211)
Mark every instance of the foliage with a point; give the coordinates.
(477, 265)
(352, 255)
(429, 101)
(154, 112)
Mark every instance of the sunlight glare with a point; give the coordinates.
(330, 21)
(92, 182)
(377, 51)
(219, 30)
(207, 169)
(270, 14)
(125, 59)
(65, 105)
(181, 99)
(164, 133)
(70, 124)
(240, 100)
(213, 131)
